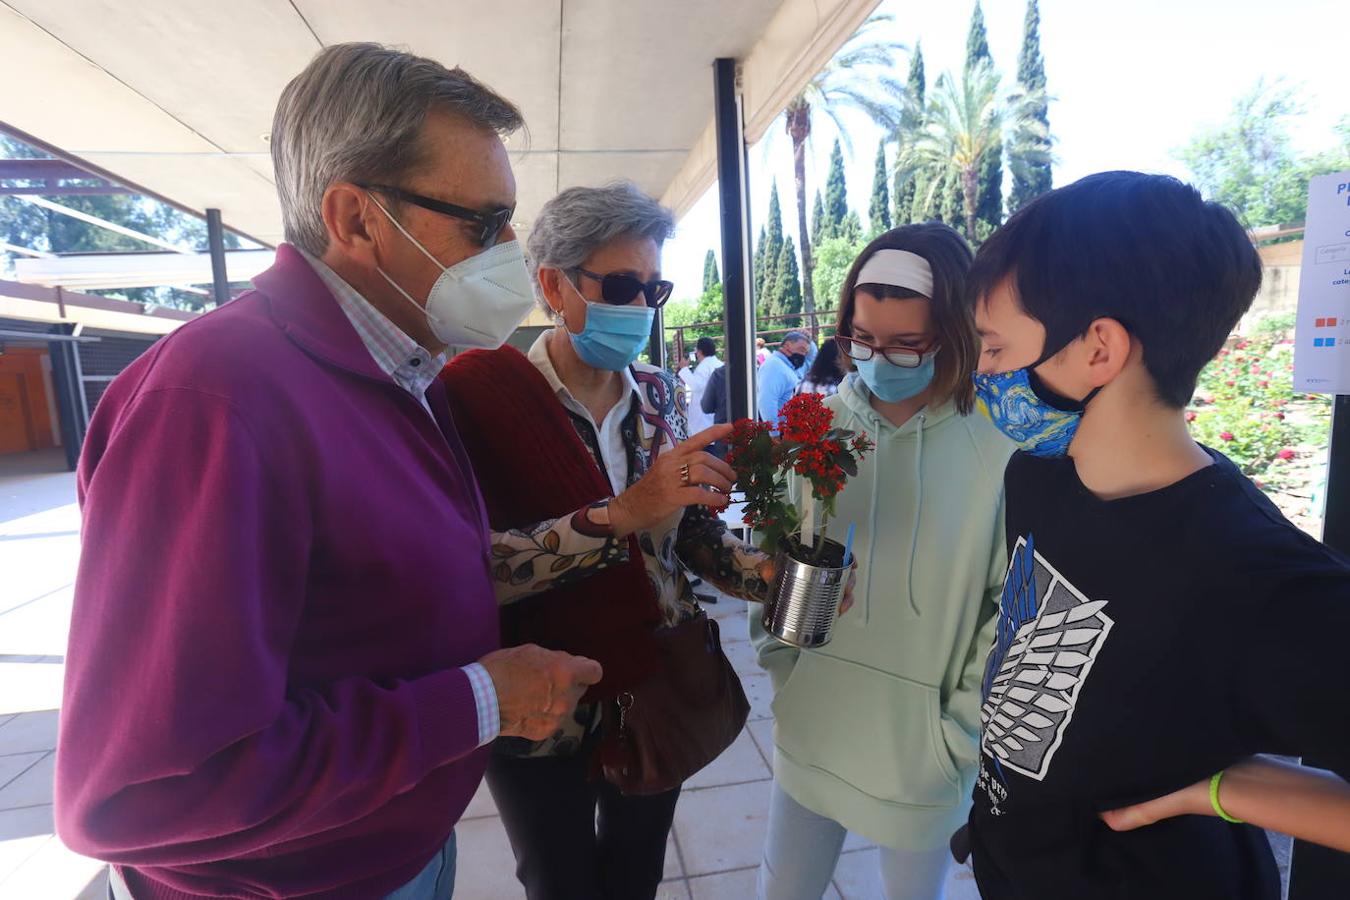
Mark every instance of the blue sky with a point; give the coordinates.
(1131, 83)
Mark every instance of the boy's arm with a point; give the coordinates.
(1309, 804)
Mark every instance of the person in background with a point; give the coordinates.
(706, 363)
(761, 352)
(825, 373)
(284, 662)
(876, 733)
(780, 375)
(717, 404)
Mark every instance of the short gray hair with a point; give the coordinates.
(794, 336)
(580, 220)
(356, 114)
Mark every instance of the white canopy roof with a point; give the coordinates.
(177, 95)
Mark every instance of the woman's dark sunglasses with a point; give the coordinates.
(491, 223)
(897, 356)
(618, 289)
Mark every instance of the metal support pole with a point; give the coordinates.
(69, 396)
(734, 195)
(215, 238)
(656, 344)
(1315, 872)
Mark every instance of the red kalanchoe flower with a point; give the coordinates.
(1286, 454)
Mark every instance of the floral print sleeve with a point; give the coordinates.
(552, 553)
(719, 557)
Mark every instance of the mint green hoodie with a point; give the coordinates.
(878, 729)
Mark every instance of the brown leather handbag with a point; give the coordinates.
(664, 729)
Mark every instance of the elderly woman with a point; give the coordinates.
(608, 450)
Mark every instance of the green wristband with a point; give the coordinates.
(1214, 800)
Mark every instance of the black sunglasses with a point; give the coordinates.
(491, 222)
(618, 289)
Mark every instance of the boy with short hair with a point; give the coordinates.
(1161, 621)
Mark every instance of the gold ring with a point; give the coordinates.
(684, 474)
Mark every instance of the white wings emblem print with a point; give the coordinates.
(1048, 636)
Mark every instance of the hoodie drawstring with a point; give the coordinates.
(872, 529)
(918, 511)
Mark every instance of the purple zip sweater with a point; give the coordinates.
(284, 565)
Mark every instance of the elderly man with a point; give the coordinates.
(780, 375)
(284, 664)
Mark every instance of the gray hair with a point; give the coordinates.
(580, 220)
(356, 114)
(794, 336)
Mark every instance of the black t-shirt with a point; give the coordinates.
(1143, 645)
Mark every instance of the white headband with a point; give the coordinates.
(898, 268)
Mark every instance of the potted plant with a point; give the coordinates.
(812, 570)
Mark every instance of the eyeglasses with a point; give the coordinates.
(903, 357)
(618, 289)
(491, 222)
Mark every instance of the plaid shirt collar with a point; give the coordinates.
(398, 356)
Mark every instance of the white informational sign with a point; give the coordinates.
(1322, 352)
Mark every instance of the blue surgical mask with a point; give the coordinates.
(614, 336)
(1036, 418)
(891, 383)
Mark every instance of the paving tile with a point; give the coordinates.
(743, 657)
(26, 687)
(678, 889)
(486, 869)
(482, 806)
(734, 628)
(33, 787)
(737, 885)
(22, 833)
(759, 691)
(29, 732)
(739, 763)
(762, 731)
(722, 828)
(52, 873)
(858, 876)
(14, 765)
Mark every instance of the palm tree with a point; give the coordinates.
(857, 77)
(964, 122)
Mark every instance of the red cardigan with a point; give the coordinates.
(531, 466)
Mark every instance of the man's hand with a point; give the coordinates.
(538, 689)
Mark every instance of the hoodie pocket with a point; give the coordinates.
(880, 734)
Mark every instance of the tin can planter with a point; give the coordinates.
(805, 598)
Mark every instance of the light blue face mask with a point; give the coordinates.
(614, 336)
(891, 383)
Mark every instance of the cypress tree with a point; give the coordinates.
(836, 194)
(989, 205)
(711, 278)
(879, 210)
(1029, 149)
(789, 284)
(773, 251)
(905, 192)
(817, 221)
